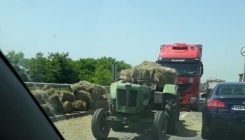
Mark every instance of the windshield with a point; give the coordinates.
(189, 69)
(70, 53)
(230, 90)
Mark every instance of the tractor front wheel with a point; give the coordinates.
(159, 129)
(99, 125)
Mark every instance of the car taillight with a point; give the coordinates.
(211, 104)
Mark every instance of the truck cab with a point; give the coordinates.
(186, 59)
(210, 84)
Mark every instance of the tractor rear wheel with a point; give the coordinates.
(172, 112)
(159, 130)
(99, 125)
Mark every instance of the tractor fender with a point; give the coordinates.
(170, 89)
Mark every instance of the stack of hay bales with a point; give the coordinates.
(89, 95)
(67, 98)
(43, 99)
(54, 102)
(84, 95)
(151, 73)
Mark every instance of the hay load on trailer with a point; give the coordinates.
(149, 73)
(145, 93)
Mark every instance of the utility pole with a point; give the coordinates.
(243, 54)
(114, 72)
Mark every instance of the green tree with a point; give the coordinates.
(41, 69)
(19, 63)
(64, 70)
(102, 76)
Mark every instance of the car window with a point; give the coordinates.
(231, 90)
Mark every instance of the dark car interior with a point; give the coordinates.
(21, 116)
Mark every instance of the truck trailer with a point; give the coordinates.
(187, 60)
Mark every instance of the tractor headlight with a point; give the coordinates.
(110, 101)
(145, 102)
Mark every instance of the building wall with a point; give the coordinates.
(240, 77)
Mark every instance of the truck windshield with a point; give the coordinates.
(190, 69)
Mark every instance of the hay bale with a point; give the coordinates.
(126, 74)
(50, 91)
(66, 96)
(37, 95)
(79, 105)
(152, 73)
(83, 95)
(82, 85)
(85, 107)
(67, 106)
(46, 87)
(56, 103)
(98, 92)
(47, 110)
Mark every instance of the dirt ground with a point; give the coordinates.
(80, 128)
(75, 128)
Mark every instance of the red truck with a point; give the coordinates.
(186, 59)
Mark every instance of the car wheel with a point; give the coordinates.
(204, 133)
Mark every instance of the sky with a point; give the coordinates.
(127, 30)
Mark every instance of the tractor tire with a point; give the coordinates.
(117, 126)
(159, 129)
(172, 113)
(99, 125)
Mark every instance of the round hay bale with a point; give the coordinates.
(37, 96)
(78, 105)
(56, 103)
(47, 110)
(83, 95)
(68, 108)
(66, 96)
(50, 91)
(46, 87)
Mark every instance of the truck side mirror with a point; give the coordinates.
(201, 69)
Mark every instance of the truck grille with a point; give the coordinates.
(184, 87)
(132, 98)
(122, 97)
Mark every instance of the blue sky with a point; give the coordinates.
(127, 30)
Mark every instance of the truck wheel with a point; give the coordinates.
(159, 129)
(116, 126)
(172, 113)
(99, 125)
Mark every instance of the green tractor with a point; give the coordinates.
(136, 103)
